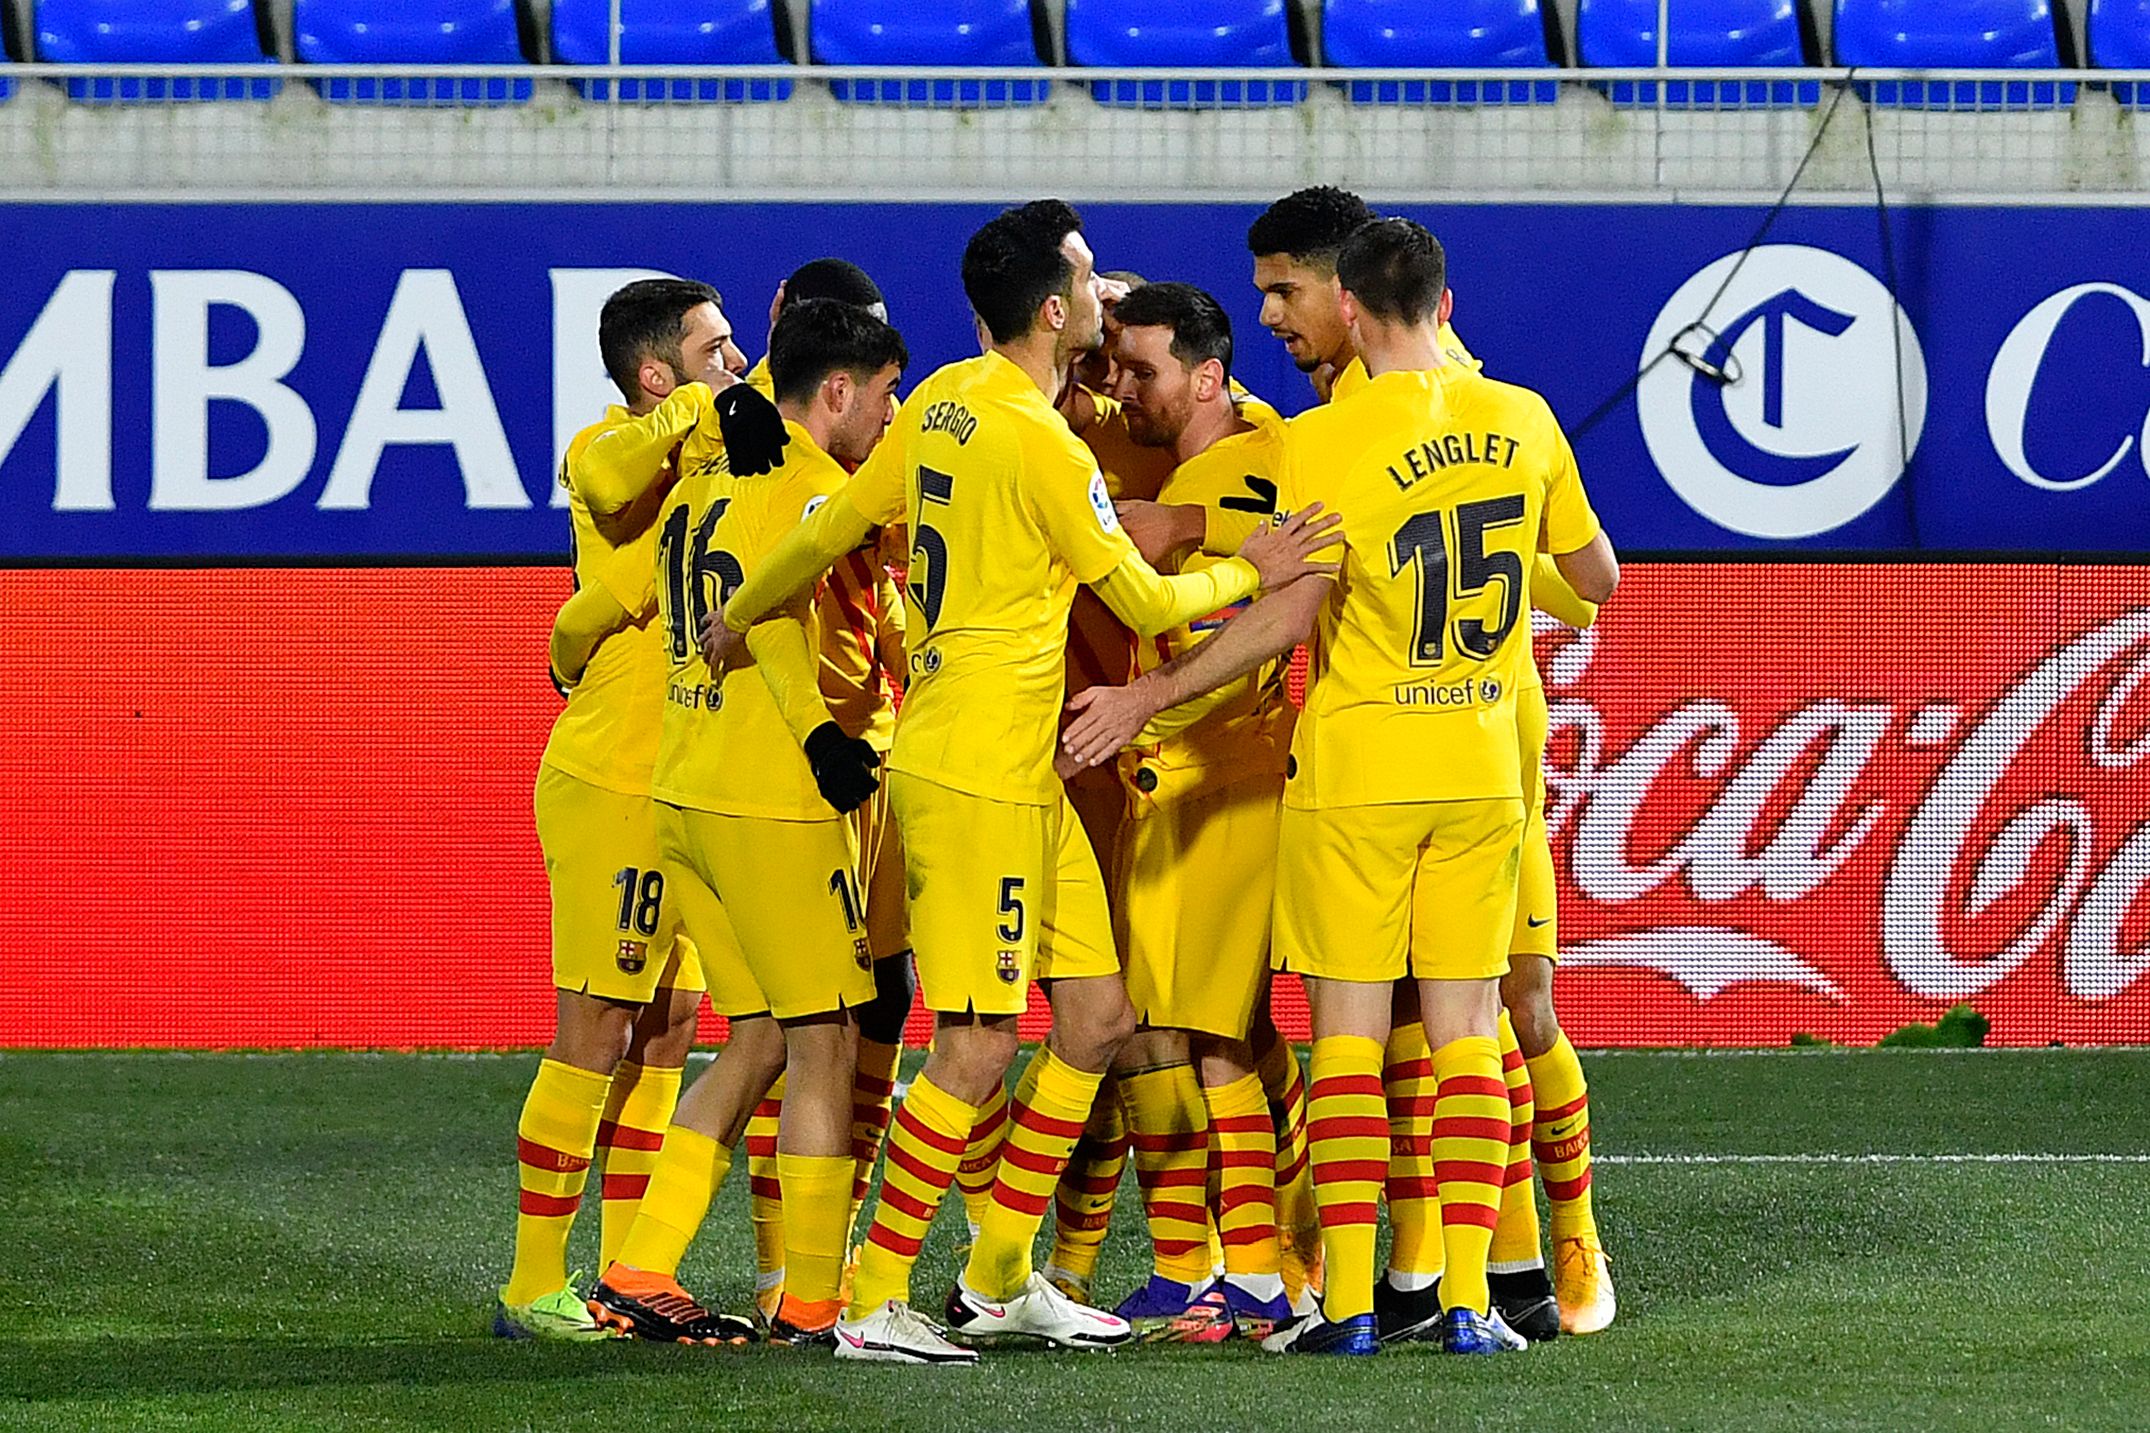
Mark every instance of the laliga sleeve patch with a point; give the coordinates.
(813, 505)
(1101, 503)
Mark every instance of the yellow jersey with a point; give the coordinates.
(1353, 378)
(607, 733)
(1241, 729)
(1447, 479)
(728, 748)
(1008, 514)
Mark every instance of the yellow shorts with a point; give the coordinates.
(615, 925)
(789, 901)
(1191, 904)
(1001, 894)
(1370, 893)
(1537, 899)
(880, 848)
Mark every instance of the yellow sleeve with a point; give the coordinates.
(1569, 522)
(1173, 720)
(1551, 594)
(620, 464)
(1293, 490)
(1074, 506)
(889, 636)
(786, 659)
(1150, 603)
(877, 489)
(1224, 529)
(580, 627)
(806, 552)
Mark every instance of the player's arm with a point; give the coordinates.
(1553, 595)
(1108, 718)
(890, 632)
(1271, 559)
(1592, 570)
(843, 765)
(620, 464)
(1170, 722)
(1571, 531)
(1158, 530)
(580, 627)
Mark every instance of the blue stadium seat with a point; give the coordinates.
(672, 32)
(994, 33)
(1185, 34)
(140, 32)
(1458, 34)
(2119, 39)
(412, 32)
(1622, 34)
(1963, 34)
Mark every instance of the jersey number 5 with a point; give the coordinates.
(928, 581)
(1422, 547)
(688, 566)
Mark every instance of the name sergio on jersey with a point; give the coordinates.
(950, 417)
(1450, 450)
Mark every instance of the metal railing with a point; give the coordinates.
(831, 132)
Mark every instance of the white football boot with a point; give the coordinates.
(896, 1333)
(1036, 1311)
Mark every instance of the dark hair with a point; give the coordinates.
(838, 279)
(1013, 264)
(1396, 270)
(1310, 225)
(816, 337)
(1201, 330)
(645, 320)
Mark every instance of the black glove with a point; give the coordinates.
(754, 435)
(843, 766)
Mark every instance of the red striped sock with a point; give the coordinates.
(1348, 1135)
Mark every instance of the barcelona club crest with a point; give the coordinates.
(632, 956)
(1011, 966)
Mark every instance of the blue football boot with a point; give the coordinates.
(1355, 1337)
(1466, 1331)
(1254, 1317)
(1167, 1311)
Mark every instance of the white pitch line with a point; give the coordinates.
(1841, 1159)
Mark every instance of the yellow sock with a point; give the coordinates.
(1089, 1187)
(925, 1144)
(1561, 1140)
(873, 1099)
(1348, 1136)
(690, 1170)
(1516, 1242)
(1168, 1124)
(1053, 1102)
(1245, 1157)
(1415, 1249)
(1470, 1159)
(554, 1141)
(981, 1156)
(765, 1196)
(817, 1207)
(1298, 1213)
(636, 1115)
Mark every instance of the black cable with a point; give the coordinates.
(1892, 281)
(1627, 389)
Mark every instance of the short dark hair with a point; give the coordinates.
(1013, 264)
(646, 319)
(1395, 269)
(1310, 225)
(838, 279)
(1201, 330)
(814, 338)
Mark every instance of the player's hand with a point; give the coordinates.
(1283, 554)
(1106, 719)
(754, 436)
(721, 646)
(1159, 529)
(1111, 291)
(843, 766)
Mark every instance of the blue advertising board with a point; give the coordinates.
(323, 381)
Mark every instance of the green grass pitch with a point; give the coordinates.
(312, 1241)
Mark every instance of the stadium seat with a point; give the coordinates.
(1472, 34)
(412, 32)
(1185, 34)
(2119, 39)
(672, 32)
(1962, 34)
(1715, 33)
(136, 32)
(995, 33)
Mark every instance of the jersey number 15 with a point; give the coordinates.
(1423, 546)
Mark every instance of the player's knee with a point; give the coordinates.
(882, 1018)
(1092, 1022)
(1528, 994)
(664, 1035)
(970, 1060)
(592, 1034)
(758, 1045)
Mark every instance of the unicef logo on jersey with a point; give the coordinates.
(1780, 418)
